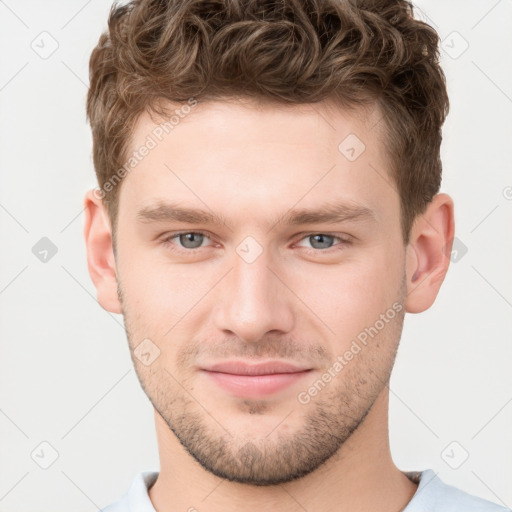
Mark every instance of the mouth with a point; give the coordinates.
(260, 380)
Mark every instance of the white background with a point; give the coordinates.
(65, 373)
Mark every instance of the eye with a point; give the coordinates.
(187, 239)
(322, 241)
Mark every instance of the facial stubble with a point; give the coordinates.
(284, 455)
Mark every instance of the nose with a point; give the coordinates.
(254, 300)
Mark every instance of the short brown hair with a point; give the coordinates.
(355, 52)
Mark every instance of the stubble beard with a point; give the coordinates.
(329, 419)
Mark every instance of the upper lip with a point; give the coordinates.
(264, 368)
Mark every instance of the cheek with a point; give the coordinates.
(347, 297)
(161, 297)
(149, 281)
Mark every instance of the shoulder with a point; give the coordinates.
(433, 495)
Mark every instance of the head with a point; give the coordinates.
(268, 191)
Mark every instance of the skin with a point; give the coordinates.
(303, 300)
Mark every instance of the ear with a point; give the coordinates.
(428, 253)
(100, 254)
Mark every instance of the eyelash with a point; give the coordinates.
(167, 242)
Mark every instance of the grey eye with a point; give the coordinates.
(321, 241)
(191, 240)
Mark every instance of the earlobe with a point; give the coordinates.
(100, 255)
(428, 253)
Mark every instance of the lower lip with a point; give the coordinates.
(255, 386)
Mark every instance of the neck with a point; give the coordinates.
(360, 477)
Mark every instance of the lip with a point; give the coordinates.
(246, 380)
(263, 368)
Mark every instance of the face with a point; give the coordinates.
(260, 265)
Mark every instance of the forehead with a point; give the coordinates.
(252, 155)
(317, 125)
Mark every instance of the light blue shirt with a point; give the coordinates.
(432, 495)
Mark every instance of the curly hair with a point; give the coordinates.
(352, 52)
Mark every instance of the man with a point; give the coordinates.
(268, 211)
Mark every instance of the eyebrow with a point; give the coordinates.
(327, 213)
